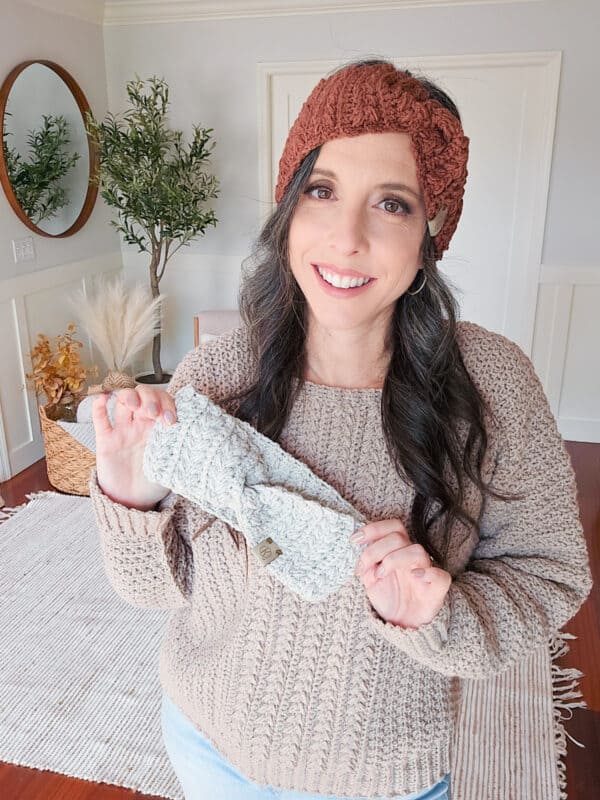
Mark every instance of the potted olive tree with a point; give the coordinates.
(157, 185)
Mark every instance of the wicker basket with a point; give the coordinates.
(68, 462)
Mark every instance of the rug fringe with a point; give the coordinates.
(43, 493)
(565, 697)
(6, 513)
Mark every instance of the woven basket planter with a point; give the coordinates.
(68, 462)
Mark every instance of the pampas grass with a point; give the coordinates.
(120, 320)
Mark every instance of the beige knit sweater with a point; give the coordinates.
(328, 698)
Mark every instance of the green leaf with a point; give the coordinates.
(36, 181)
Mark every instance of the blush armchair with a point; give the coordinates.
(210, 324)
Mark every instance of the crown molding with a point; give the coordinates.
(86, 10)
(138, 12)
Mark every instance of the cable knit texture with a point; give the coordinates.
(326, 697)
(378, 98)
(285, 511)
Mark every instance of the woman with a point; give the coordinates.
(438, 431)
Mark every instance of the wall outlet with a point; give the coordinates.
(23, 249)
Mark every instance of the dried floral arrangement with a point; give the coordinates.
(58, 373)
(121, 321)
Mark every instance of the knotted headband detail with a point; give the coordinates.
(298, 525)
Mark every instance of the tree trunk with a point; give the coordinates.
(158, 372)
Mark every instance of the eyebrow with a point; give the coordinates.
(387, 186)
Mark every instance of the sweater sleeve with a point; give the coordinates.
(147, 555)
(146, 558)
(529, 572)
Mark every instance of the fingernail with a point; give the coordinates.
(153, 409)
(169, 417)
(357, 537)
(418, 573)
(380, 570)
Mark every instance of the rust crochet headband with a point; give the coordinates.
(376, 98)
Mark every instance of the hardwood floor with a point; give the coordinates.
(20, 783)
(583, 764)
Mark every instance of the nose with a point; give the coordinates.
(348, 232)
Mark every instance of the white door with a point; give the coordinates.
(508, 107)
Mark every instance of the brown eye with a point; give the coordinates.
(396, 204)
(312, 189)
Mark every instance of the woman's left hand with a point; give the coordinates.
(400, 595)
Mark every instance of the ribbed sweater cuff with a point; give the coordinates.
(116, 512)
(145, 559)
(424, 643)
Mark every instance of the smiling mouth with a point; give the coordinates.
(342, 281)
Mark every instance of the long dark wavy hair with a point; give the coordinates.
(427, 388)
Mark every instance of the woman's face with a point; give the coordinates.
(348, 223)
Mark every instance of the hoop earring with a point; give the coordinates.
(421, 286)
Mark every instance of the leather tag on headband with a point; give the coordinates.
(437, 223)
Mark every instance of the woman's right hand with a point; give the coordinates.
(120, 447)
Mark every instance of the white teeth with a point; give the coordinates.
(342, 283)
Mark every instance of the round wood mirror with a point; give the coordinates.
(47, 157)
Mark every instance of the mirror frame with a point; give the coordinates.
(84, 106)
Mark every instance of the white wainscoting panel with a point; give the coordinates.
(565, 350)
(31, 304)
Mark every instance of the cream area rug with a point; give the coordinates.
(79, 689)
(80, 694)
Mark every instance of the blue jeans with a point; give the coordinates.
(205, 775)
